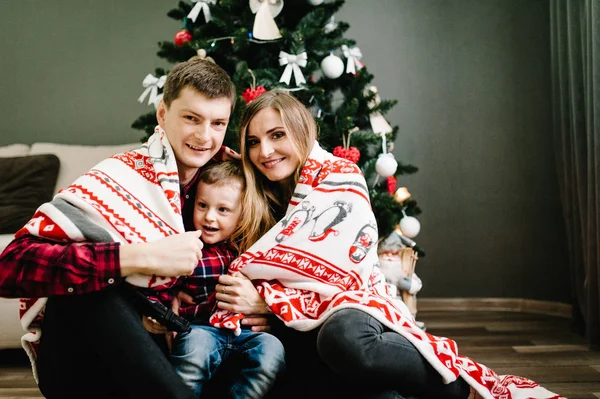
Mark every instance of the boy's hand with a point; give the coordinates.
(153, 326)
(173, 256)
(227, 154)
(180, 298)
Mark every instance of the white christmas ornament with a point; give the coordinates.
(293, 63)
(201, 5)
(332, 66)
(152, 84)
(354, 55)
(379, 124)
(265, 27)
(315, 2)
(330, 26)
(157, 100)
(410, 226)
(386, 165)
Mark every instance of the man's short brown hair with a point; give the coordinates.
(201, 75)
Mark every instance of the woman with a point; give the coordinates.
(316, 269)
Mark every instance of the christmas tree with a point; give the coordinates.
(297, 45)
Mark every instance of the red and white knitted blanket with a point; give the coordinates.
(131, 197)
(322, 257)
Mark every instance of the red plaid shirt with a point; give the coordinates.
(32, 267)
(201, 284)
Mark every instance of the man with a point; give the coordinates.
(93, 343)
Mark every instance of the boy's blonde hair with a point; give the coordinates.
(226, 173)
(265, 200)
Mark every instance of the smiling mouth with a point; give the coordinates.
(197, 148)
(210, 229)
(271, 164)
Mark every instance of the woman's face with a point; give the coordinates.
(269, 146)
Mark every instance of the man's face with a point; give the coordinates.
(217, 211)
(195, 126)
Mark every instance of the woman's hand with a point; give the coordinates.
(258, 323)
(236, 293)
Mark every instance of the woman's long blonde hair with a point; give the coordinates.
(264, 201)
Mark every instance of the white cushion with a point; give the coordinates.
(14, 150)
(5, 239)
(76, 160)
(10, 328)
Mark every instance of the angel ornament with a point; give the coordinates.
(379, 124)
(265, 27)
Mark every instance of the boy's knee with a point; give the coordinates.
(273, 354)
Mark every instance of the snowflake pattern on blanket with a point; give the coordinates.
(321, 257)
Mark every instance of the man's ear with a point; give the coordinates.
(161, 111)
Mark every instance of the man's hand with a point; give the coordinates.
(181, 297)
(174, 256)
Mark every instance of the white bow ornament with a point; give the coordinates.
(152, 84)
(201, 5)
(293, 63)
(354, 55)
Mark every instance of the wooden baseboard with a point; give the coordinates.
(495, 304)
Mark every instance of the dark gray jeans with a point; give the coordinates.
(95, 346)
(359, 348)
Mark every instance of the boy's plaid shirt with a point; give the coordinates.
(201, 284)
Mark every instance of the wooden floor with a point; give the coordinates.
(540, 347)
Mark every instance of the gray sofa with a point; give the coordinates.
(25, 173)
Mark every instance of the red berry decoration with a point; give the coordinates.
(252, 94)
(182, 37)
(351, 154)
(391, 184)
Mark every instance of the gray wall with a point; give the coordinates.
(472, 80)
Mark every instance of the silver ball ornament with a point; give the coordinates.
(386, 165)
(332, 66)
(410, 226)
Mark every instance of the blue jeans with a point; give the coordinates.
(255, 358)
(359, 348)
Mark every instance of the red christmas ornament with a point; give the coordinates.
(351, 154)
(251, 94)
(182, 37)
(391, 184)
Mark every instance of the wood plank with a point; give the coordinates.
(495, 304)
(538, 346)
(550, 348)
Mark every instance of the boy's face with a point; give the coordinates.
(217, 211)
(195, 126)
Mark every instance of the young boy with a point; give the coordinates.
(85, 339)
(254, 359)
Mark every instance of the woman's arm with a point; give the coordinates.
(236, 293)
